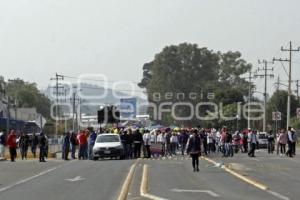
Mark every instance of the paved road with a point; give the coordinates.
(174, 179)
(168, 179)
(100, 180)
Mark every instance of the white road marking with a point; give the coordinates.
(279, 196)
(27, 179)
(209, 192)
(77, 178)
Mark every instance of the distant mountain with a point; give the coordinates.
(92, 97)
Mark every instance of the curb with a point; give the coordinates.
(2, 159)
(30, 156)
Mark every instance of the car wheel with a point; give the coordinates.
(95, 158)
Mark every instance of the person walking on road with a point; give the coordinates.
(253, 143)
(42, 146)
(2, 144)
(24, 144)
(194, 149)
(12, 145)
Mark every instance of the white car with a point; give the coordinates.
(108, 146)
(262, 138)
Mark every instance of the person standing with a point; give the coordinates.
(174, 143)
(82, 141)
(137, 142)
(253, 143)
(34, 144)
(168, 142)
(183, 139)
(277, 141)
(210, 141)
(73, 144)
(282, 142)
(2, 144)
(129, 144)
(290, 141)
(295, 138)
(91, 143)
(66, 146)
(194, 149)
(23, 144)
(147, 144)
(12, 145)
(203, 136)
(42, 146)
(271, 140)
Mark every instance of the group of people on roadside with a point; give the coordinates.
(83, 141)
(286, 139)
(23, 141)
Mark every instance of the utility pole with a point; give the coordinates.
(57, 78)
(250, 77)
(290, 50)
(277, 84)
(297, 89)
(66, 127)
(265, 75)
(75, 114)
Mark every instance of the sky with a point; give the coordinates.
(115, 38)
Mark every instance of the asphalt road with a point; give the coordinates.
(171, 179)
(48, 181)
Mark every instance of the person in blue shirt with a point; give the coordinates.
(91, 142)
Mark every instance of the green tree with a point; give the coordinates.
(186, 68)
(278, 102)
(27, 95)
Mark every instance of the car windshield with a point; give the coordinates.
(262, 136)
(108, 138)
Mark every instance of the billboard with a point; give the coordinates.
(128, 108)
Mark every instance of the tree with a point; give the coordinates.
(278, 102)
(27, 95)
(186, 69)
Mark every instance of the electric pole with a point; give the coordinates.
(265, 75)
(75, 113)
(297, 89)
(250, 77)
(57, 78)
(290, 50)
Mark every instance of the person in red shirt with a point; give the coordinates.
(12, 145)
(82, 141)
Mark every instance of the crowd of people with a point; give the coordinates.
(22, 142)
(164, 142)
